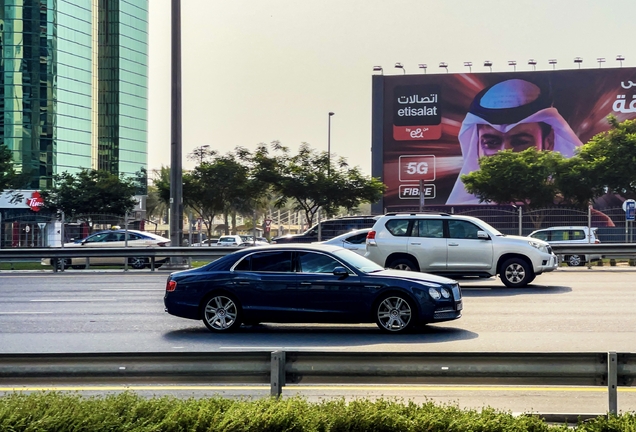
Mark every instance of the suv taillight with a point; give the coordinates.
(371, 238)
(171, 286)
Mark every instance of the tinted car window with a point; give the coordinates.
(560, 235)
(101, 237)
(430, 228)
(462, 229)
(357, 239)
(541, 235)
(577, 235)
(316, 263)
(279, 261)
(398, 227)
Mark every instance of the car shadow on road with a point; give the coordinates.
(498, 290)
(318, 336)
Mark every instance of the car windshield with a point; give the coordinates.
(359, 262)
(492, 229)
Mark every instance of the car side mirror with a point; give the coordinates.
(483, 235)
(340, 271)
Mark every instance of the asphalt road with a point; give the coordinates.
(567, 310)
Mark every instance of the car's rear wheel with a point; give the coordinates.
(61, 263)
(138, 262)
(575, 260)
(515, 273)
(404, 264)
(395, 313)
(222, 313)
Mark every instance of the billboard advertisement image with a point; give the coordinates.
(430, 129)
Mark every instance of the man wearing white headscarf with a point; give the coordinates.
(513, 114)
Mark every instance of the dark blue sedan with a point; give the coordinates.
(302, 283)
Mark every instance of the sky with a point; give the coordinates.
(256, 71)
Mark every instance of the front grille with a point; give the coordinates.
(443, 315)
(457, 294)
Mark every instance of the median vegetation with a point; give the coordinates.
(63, 412)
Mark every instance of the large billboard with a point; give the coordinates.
(430, 129)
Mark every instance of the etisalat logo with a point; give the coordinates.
(620, 104)
(417, 113)
(35, 202)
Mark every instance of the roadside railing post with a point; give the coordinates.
(277, 373)
(612, 381)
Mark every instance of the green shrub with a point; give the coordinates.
(62, 412)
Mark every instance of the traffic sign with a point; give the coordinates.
(630, 210)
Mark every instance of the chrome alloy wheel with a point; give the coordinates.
(515, 273)
(221, 314)
(394, 314)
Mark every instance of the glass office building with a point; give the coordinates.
(74, 86)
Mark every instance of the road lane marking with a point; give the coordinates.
(24, 313)
(132, 289)
(287, 348)
(73, 300)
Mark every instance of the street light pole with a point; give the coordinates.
(176, 163)
(329, 145)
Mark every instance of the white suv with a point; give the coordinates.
(456, 246)
(569, 235)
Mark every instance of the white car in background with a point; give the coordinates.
(353, 240)
(563, 235)
(113, 239)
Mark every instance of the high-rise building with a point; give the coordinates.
(74, 87)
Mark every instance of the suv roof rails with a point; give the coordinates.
(417, 213)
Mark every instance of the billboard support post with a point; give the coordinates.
(422, 196)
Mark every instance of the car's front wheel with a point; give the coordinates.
(403, 264)
(515, 272)
(221, 313)
(137, 262)
(575, 260)
(395, 313)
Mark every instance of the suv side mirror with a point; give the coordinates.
(483, 235)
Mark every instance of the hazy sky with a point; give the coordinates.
(262, 70)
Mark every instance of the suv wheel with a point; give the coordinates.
(515, 273)
(575, 260)
(403, 264)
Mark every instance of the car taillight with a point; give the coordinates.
(163, 244)
(371, 235)
(171, 286)
(597, 241)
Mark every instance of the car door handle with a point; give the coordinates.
(416, 244)
(305, 283)
(453, 244)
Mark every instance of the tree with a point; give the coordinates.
(312, 182)
(90, 192)
(609, 158)
(7, 171)
(509, 177)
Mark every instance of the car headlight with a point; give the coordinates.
(445, 293)
(434, 294)
(539, 246)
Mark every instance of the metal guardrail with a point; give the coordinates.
(282, 367)
(8, 255)
(622, 249)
